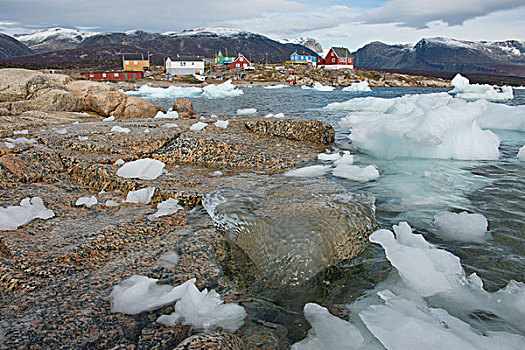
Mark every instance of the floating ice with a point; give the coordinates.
(198, 126)
(462, 226)
(204, 310)
(366, 104)
(309, 171)
(20, 132)
(271, 115)
(328, 332)
(423, 126)
(139, 293)
(117, 128)
(280, 86)
(13, 217)
(521, 154)
(346, 159)
(170, 92)
(503, 117)
(245, 111)
(356, 173)
(86, 201)
(221, 124)
(463, 89)
(226, 89)
(330, 157)
(109, 119)
(169, 259)
(320, 87)
(142, 196)
(83, 138)
(361, 86)
(306, 87)
(111, 203)
(168, 115)
(168, 207)
(145, 169)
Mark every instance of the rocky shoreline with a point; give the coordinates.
(56, 275)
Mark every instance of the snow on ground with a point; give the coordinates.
(86, 201)
(168, 115)
(361, 86)
(521, 154)
(145, 169)
(462, 226)
(169, 259)
(246, 111)
(168, 207)
(463, 89)
(201, 309)
(226, 89)
(198, 126)
(12, 217)
(117, 128)
(420, 126)
(142, 196)
(221, 124)
(309, 171)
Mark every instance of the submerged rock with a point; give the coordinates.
(292, 230)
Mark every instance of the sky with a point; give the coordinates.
(349, 23)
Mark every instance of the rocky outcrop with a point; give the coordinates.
(184, 107)
(135, 108)
(294, 129)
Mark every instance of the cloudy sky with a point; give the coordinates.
(351, 23)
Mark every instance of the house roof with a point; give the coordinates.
(303, 53)
(187, 58)
(133, 56)
(241, 55)
(342, 52)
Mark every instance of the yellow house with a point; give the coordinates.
(135, 62)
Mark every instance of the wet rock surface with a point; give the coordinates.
(56, 275)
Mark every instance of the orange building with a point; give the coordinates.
(135, 62)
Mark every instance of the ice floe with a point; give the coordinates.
(271, 115)
(499, 116)
(462, 226)
(83, 138)
(142, 196)
(117, 128)
(226, 89)
(145, 169)
(221, 124)
(12, 217)
(320, 87)
(356, 173)
(463, 89)
(86, 201)
(309, 171)
(198, 126)
(168, 207)
(246, 111)
(361, 86)
(119, 161)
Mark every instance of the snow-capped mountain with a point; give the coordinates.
(447, 55)
(53, 39)
(216, 31)
(310, 43)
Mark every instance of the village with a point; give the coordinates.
(301, 69)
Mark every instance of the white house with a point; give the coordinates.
(185, 65)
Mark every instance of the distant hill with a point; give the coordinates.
(10, 47)
(446, 55)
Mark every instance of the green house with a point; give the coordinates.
(224, 59)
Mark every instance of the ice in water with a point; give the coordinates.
(462, 226)
(463, 89)
(361, 86)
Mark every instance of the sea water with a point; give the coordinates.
(480, 301)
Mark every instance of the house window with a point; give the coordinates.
(192, 63)
(240, 59)
(237, 65)
(333, 54)
(91, 76)
(245, 65)
(135, 63)
(115, 75)
(104, 75)
(333, 59)
(343, 59)
(127, 63)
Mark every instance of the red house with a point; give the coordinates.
(240, 63)
(128, 75)
(339, 57)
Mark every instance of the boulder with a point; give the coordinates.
(184, 107)
(135, 108)
(41, 83)
(83, 87)
(103, 102)
(217, 340)
(13, 83)
(294, 129)
(57, 100)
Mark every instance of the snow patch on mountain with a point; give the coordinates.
(56, 33)
(218, 31)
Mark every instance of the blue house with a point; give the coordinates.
(303, 58)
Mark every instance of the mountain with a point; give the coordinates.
(10, 47)
(52, 39)
(446, 55)
(310, 43)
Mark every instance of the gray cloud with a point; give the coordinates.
(419, 13)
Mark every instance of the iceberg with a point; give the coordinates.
(498, 116)
(170, 92)
(521, 154)
(280, 86)
(320, 87)
(361, 86)
(145, 169)
(328, 157)
(226, 89)
(12, 217)
(169, 260)
(463, 89)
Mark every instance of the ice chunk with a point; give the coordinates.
(86, 201)
(169, 92)
(226, 89)
(217, 173)
(463, 89)
(9, 144)
(109, 119)
(328, 332)
(280, 86)
(361, 86)
(146, 130)
(421, 265)
(462, 226)
(503, 117)
(13, 217)
(221, 124)
(119, 161)
(309, 171)
(271, 115)
(169, 259)
(140, 293)
(326, 156)
(346, 159)
(83, 138)
(140, 196)
(246, 111)
(21, 141)
(117, 128)
(168, 207)
(205, 310)
(363, 104)
(521, 154)
(61, 131)
(170, 125)
(168, 115)
(20, 132)
(145, 169)
(356, 173)
(320, 87)
(198, 126)
(111, 203)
